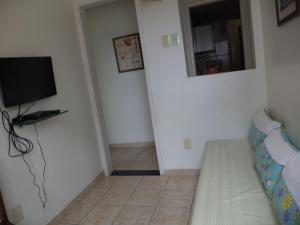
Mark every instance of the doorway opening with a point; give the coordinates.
(112, 36)
(218, 36)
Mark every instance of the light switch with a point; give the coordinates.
(187, 143)
(166, 41)
(17, 214)
(175, 40)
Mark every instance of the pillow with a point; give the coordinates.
(286, 197)
(271, 157)
(261, 127)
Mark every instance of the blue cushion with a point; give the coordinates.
(262, 125)
(285, 206)
(268, 169)
(257, 137)
(271, 157)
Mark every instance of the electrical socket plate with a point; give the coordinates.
(17, 214)
(166, 41)
(187, 143)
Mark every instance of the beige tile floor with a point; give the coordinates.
(161, 200)
(134, 159)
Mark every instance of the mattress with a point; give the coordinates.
(229, 191)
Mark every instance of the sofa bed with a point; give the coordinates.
(238, 185)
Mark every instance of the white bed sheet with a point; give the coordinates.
(229, 191)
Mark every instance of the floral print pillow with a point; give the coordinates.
(256, 137)
(268, 169)
(286, 208)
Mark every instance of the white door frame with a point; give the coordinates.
(79, 10)
(248, 36)
(184, 7)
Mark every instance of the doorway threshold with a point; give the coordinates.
(135, 173)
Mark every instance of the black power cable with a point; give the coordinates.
(34, 182)
(44, 202)
(21, 114)
(21, 145)
(24, 146)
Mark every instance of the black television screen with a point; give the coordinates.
(26, 80)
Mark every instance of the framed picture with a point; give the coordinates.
(128, 53)
(286, 9)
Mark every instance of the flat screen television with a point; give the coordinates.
(26, 79)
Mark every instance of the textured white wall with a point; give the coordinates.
(200, 108)
(282, 51)
(124, 98)
(39, 28)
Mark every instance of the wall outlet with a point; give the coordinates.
(166, 41)
(17, 214)
(187, 144)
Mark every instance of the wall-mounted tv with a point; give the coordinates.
(26, 79)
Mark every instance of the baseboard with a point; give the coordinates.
(189, 172)
(133, 145)
(94, 182)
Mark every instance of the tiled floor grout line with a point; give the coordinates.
(190, 209)
(115, 219)
(96, 204)
(138, 186)
(135, 160)
(126, 204)
(154, 163)
(157, 205)
(194, 196)
(142, 152)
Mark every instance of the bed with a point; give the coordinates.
(229, 191)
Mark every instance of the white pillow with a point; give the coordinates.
(279, 149)
(291, 175)
(264, 123)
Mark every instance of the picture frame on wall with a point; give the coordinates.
(286, 10)
(128, 51)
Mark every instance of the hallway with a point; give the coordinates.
(134, 158)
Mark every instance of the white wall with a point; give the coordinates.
(43, 27)
(123, 96)
(201, 108)
(282, 51)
